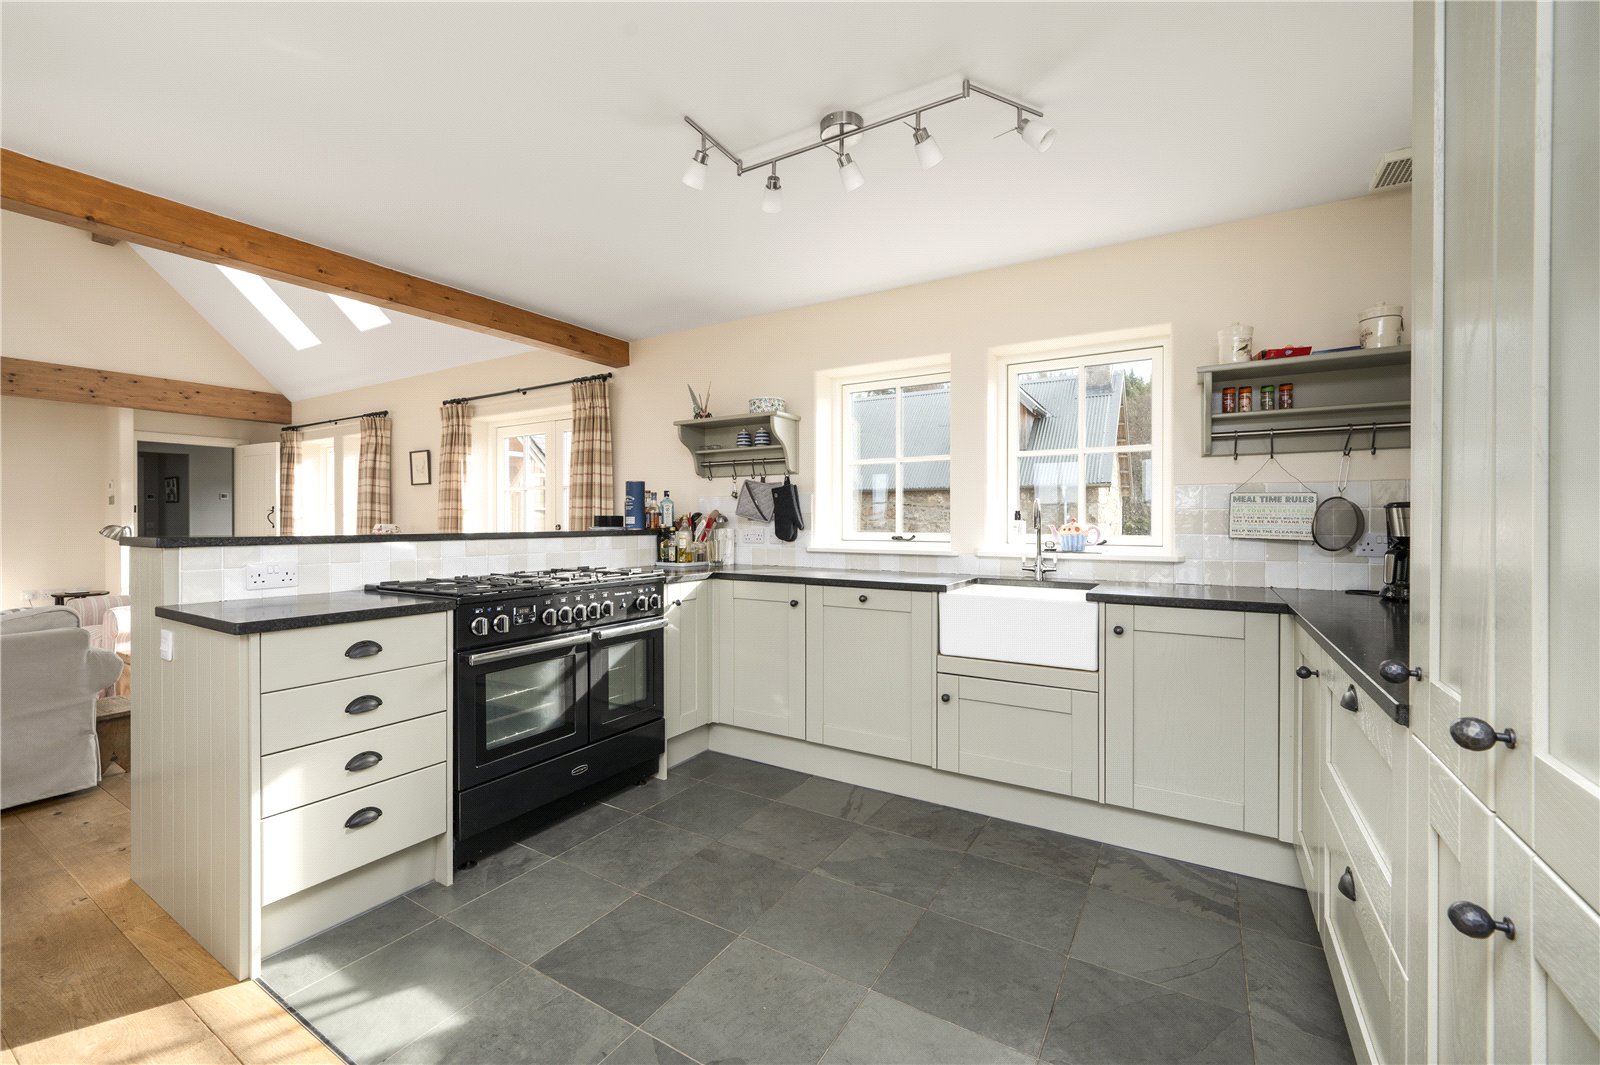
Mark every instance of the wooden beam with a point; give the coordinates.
(43, 190)
(106, 388)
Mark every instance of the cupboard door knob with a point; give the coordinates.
(945, 698)
(364, 760)
(1349, 700)
(1398, 672)
(677, 602)
(363, 649)
(862, 599)
(363, 704)
(1473, 920)
(794, 602)
(1347, 884)
(1306, 673)
(1116, 630)
(1476, 734)
(363, 817)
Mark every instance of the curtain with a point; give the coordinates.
(591, 453)
(455, 442)
(288, 459)
(373, 494)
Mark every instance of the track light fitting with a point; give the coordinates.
(839, 130)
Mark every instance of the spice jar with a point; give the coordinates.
(1269, 397)
(1230, 400)
(1286, 396)
(1246, 399)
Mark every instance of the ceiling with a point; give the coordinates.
(532, 152)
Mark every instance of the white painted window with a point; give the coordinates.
(1082, 441)
(316, 489)
(532, 461)
(890, 460)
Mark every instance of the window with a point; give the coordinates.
(315, 489)
(894, 455)
(533, 485)
(1083, 441)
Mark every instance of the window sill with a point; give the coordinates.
(932, 549)
(1103, 555)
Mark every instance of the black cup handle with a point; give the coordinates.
(1347, 884)
(363, 817)
(364, 760)
(1349, 700)
(363, 649)
(363, 704)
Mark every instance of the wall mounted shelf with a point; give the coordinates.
(713, 443)
(1334, 393)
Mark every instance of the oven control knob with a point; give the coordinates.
(564, 615)
(480, 626)
(584, 613)
(642, 603)
(655, 602)
(502, 623)
(607, 608)
(549, 616)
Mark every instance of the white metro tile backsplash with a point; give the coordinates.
(208, 574)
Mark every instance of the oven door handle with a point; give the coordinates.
(502, 653)
(618, 631)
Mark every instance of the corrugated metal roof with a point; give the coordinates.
(926, 413)
(1051, 405)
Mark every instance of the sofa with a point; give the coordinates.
(108, 619)
(49, 677)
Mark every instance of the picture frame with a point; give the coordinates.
(422, 467)
(170, 490)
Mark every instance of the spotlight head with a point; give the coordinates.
(849, 173)
(694, 175)
(1038, 136)
(928, 153)
(772, 199)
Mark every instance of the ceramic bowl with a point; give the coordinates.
(766, 404)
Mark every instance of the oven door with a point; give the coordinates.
(626, 673)
(518, 706)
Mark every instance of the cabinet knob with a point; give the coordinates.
(677, 602)
(1306, 673)
(1476, 734)
(364, 760)
(862, 599)
(1473, 920)
(363, 817)
(794, 602)
(363, 649)
(1349, 700)
(1398, 672)
(1116, 630)
(945, 698)
(1347, 884)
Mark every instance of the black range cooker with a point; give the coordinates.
(558, 684)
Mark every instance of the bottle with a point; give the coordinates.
(1019, 528)
(669, 511)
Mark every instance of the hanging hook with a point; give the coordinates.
(1374, 439)
(1272, 445)
(1236, 446)
(1347, 438)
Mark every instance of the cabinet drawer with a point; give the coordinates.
(1358, 762)
(295, 717)
(868, 599)
(334, 652)
(309, 845)
(1225, 623)
(1360, 952)
(307, 774)
(1023, 734)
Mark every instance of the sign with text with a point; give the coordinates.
(1271, 515)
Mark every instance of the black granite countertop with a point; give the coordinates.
(1360, 632)
(395, 538)
(241, 617)
(1191, 597)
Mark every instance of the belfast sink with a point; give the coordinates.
(1037, 625)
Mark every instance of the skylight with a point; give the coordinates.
(363, 316)
(272, 308)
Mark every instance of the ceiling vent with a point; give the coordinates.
(1394, 171)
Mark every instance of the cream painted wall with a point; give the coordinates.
(70, 300)
(1298, 277)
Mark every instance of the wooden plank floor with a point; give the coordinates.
(95, 971)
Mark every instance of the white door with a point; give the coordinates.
(255, 490)
(1506, 582)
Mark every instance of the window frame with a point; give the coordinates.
(1082, 354)
(844, 462)
(558, 459)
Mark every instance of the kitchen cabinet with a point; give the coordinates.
(1308, 662)
(1032, 726)
(870, 671)
(1191, 714)
(760, 656)
(687, 653)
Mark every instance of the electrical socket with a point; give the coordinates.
(270, 575)
(1372, 545)
(753, 536)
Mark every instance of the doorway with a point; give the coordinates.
(184, 489)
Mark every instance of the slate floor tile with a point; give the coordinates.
(1168, 882)
(489, 873)
(1043, 851)
(637, 798)
(725, 885)
(634, 958)
(1038, 909)
(1102, 1016)
(756, 778)
(902, 867)
(574, 828)
(1290, 984)
(635, 852)
(1284, 1044)
(377, 1005)
(703, 763)
(538, 910)
(849, 931)
(755, 1005)
(305, 963)
(980, 980)
(790, 834)
(1195, 955)
(1277, 908)
(943, 825)
(528, 1020)
(884, 1031)
(641, 1048)
(835, 798)
(708, 809)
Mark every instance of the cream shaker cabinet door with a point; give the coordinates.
(761, 660)
(1307, 662)
(1192, 715)
(687, 650)
(1025, 734)
(870, 671)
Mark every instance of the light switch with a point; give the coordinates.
(166, 645)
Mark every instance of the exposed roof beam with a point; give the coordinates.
(107, 388)
(115, 212)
